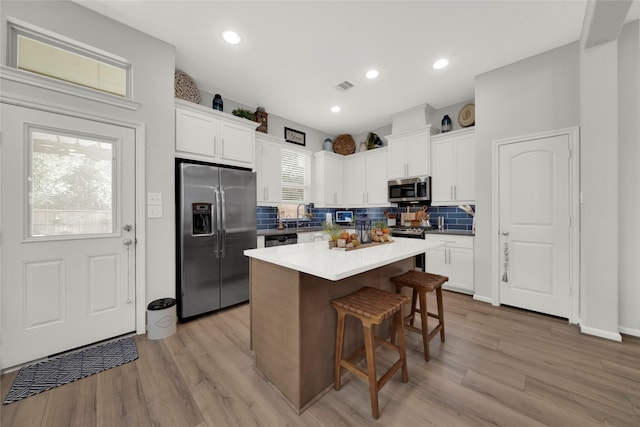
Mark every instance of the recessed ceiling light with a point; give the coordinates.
(335, 109)
(440, 63)
(372, 74)
(231, 37)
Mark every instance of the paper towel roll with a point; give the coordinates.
(328, 218)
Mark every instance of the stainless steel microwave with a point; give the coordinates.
(410, 190)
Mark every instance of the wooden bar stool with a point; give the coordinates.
(421, 283)
(371, 306)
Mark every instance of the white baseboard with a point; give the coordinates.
(614, 336)
(629, 331)
(483, 299)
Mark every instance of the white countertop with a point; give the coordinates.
(317, 259)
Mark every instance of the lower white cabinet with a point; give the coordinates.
(454, 259)
(312, 236)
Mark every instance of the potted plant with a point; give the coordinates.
(244, 113)
(334, 231)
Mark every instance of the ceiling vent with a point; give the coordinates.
(345, 85)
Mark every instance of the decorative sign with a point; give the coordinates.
(295, 136)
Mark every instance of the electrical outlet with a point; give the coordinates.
(154, 212)
(154, 199)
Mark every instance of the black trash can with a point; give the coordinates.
(161, 318)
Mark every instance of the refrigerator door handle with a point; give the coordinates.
(223, 228)
(216, 224)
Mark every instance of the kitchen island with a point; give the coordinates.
(293, 326)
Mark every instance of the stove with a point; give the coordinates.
(411, 232)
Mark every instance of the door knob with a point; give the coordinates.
(127, 242)
(505, 233)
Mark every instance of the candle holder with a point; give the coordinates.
(363, 229)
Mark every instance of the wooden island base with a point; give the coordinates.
(293, 326)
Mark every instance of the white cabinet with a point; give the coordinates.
(365, 179)
(268, 182)
(453, 259)
(453, 160)
(312, 236)
(328, 179)
(409, 153)
(213, 136)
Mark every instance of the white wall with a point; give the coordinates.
(313, 137)
(629, 176)
(599, 183)
(536, 94)
(153, 68)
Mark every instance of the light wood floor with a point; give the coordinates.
(499, 366)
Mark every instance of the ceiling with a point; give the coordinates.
(294, 53)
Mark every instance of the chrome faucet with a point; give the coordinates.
(298, 214)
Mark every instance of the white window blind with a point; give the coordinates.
(63, 60)
(295, 175)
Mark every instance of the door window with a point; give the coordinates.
(72, 184)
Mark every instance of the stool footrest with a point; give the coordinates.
(365, 374)
(435, 331)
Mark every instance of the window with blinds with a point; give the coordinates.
(59, 59)
(295, 175)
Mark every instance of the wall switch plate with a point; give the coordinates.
(154, 198)
(154, 212)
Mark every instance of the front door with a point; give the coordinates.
(534, 209)
(68, 261)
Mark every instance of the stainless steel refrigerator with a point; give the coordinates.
(216, 222)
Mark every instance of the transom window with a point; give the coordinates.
(62, 60)
(72, 185)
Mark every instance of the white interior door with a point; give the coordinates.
(534, 209)
(68, 210)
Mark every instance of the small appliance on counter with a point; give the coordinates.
(344, 217)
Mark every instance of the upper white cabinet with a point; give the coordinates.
(210, 135)
(328, 179)
(409, 153)
(365, 179)
(268, 182)
(453, 167)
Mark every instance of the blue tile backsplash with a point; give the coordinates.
(454, 217)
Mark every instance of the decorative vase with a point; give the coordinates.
(446, 123)
(333, 244)
(217, 102)
(327, 145)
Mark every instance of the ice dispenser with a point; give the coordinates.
(201, 219)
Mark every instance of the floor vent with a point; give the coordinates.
(345, 85)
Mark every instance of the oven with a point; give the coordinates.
(412, 233)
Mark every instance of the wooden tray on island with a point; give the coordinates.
(364, 245)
